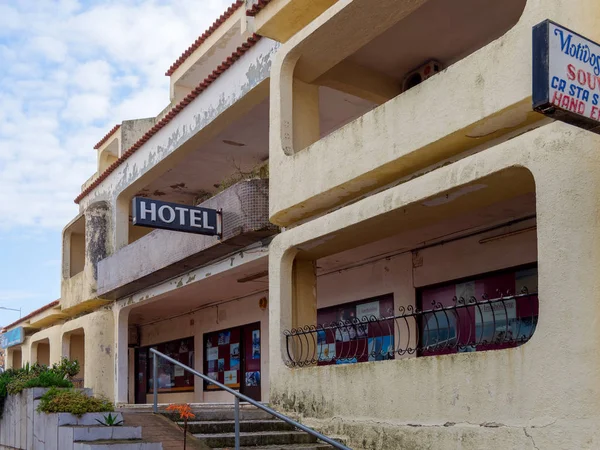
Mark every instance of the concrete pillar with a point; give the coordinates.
(121, 360)
(99, 347)
(121, 222)
(97, 235)
(306, 120)
(304, 303)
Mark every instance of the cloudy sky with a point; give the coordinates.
(69, 71)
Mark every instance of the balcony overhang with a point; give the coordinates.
(46, 318)
(281, 19)
(161, 255)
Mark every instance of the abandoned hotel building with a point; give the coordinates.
(409, 235)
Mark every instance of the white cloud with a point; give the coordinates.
(70, 72)
(86, 108)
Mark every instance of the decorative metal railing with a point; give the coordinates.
(466, 325)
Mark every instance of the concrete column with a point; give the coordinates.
(121, 222)
(306, 121)
(99, 347)
(97, 235)
(304, 303)
(121, 360)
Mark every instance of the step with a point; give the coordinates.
(228, 426)
(222, 414)
(118, 444)
(256, 439)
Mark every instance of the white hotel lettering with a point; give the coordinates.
(169, 214)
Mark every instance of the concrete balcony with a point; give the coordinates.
(161, 254)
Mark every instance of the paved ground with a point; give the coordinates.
(156, 428)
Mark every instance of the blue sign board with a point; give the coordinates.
(12, 337)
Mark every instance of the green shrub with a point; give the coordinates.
(14, 381)
(33, 379)
(72, 401)
(67, 368)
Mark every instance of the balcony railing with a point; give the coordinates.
(465, 325)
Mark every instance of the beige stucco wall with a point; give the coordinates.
(95, 348)
(398, 276)
(541, 395)
(226, 315)
(482, 97)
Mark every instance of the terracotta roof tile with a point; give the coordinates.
(252, 40)
(256, 8)
(204, 36)
(105, 138)
(31, 314)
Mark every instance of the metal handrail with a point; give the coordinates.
(237, 397)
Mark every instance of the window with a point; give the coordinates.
(171, 378)
(222, 358)
(352, 339)
(450, 324)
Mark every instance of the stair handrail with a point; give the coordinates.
(237, 397)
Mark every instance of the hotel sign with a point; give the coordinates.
(176, 217)
(566, 76)
(12, 337)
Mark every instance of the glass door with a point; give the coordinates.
(251, 354)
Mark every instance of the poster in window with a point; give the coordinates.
(326, 352)
(234, 357)
(252, 379)
(321, 337)
(367, 310)
(498, 321)
(172, 378)
(212, 353)
(256, 344)
(381, 348)
(183, 347)
(221, 366)
(224, 337)
(230, 377)
(214, 375)
(347, 361)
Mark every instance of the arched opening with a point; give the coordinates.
(405, 43)
(74, 248)
(74, 349)
(42, 351)
(108, 156)
(453, 273)
(15, 358)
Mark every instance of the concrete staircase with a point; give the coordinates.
(214, 426)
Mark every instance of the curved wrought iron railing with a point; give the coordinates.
(465, 325)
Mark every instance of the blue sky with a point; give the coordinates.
(69, 71)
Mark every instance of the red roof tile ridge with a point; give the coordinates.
(105, 138)
(257, 7)
(221, 68)
(31, 314)
(204, 36)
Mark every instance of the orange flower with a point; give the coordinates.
(184, 410)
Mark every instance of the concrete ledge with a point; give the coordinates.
(89, 419)
(162, 254)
